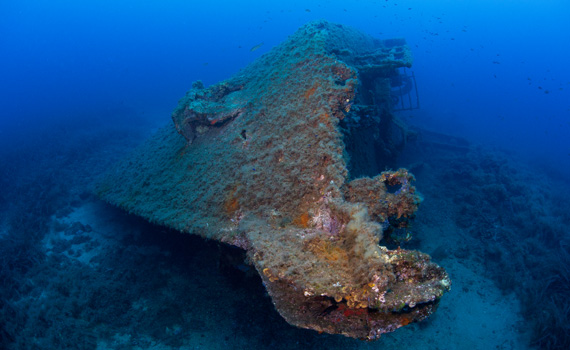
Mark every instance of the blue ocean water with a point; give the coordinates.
(83, 82)
(493, 71)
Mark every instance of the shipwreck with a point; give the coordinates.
(285, 160)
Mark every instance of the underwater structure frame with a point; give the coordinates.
(285, 160)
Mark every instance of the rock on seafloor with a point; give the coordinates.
(266, 161)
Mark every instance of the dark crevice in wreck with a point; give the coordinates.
(373, 135)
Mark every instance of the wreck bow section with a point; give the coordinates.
(260, 161)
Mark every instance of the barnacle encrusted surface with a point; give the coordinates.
(258, 161)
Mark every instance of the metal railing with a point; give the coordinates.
(406, 95)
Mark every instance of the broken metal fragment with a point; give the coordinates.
(260, 162)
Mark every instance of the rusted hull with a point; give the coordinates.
(260, 162)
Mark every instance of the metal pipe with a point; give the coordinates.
(416, 86)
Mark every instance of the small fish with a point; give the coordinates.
(256, 47)
(307, 10)
(496, 62)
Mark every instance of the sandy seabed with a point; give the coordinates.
(104, 279)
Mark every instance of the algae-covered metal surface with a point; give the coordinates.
(260, 161)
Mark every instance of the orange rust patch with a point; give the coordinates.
(335, 253)
(231, 204)
(405, 321)
(355, 312)
(311, 91)
(327, 250)
(302, 220)
(324, 118)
